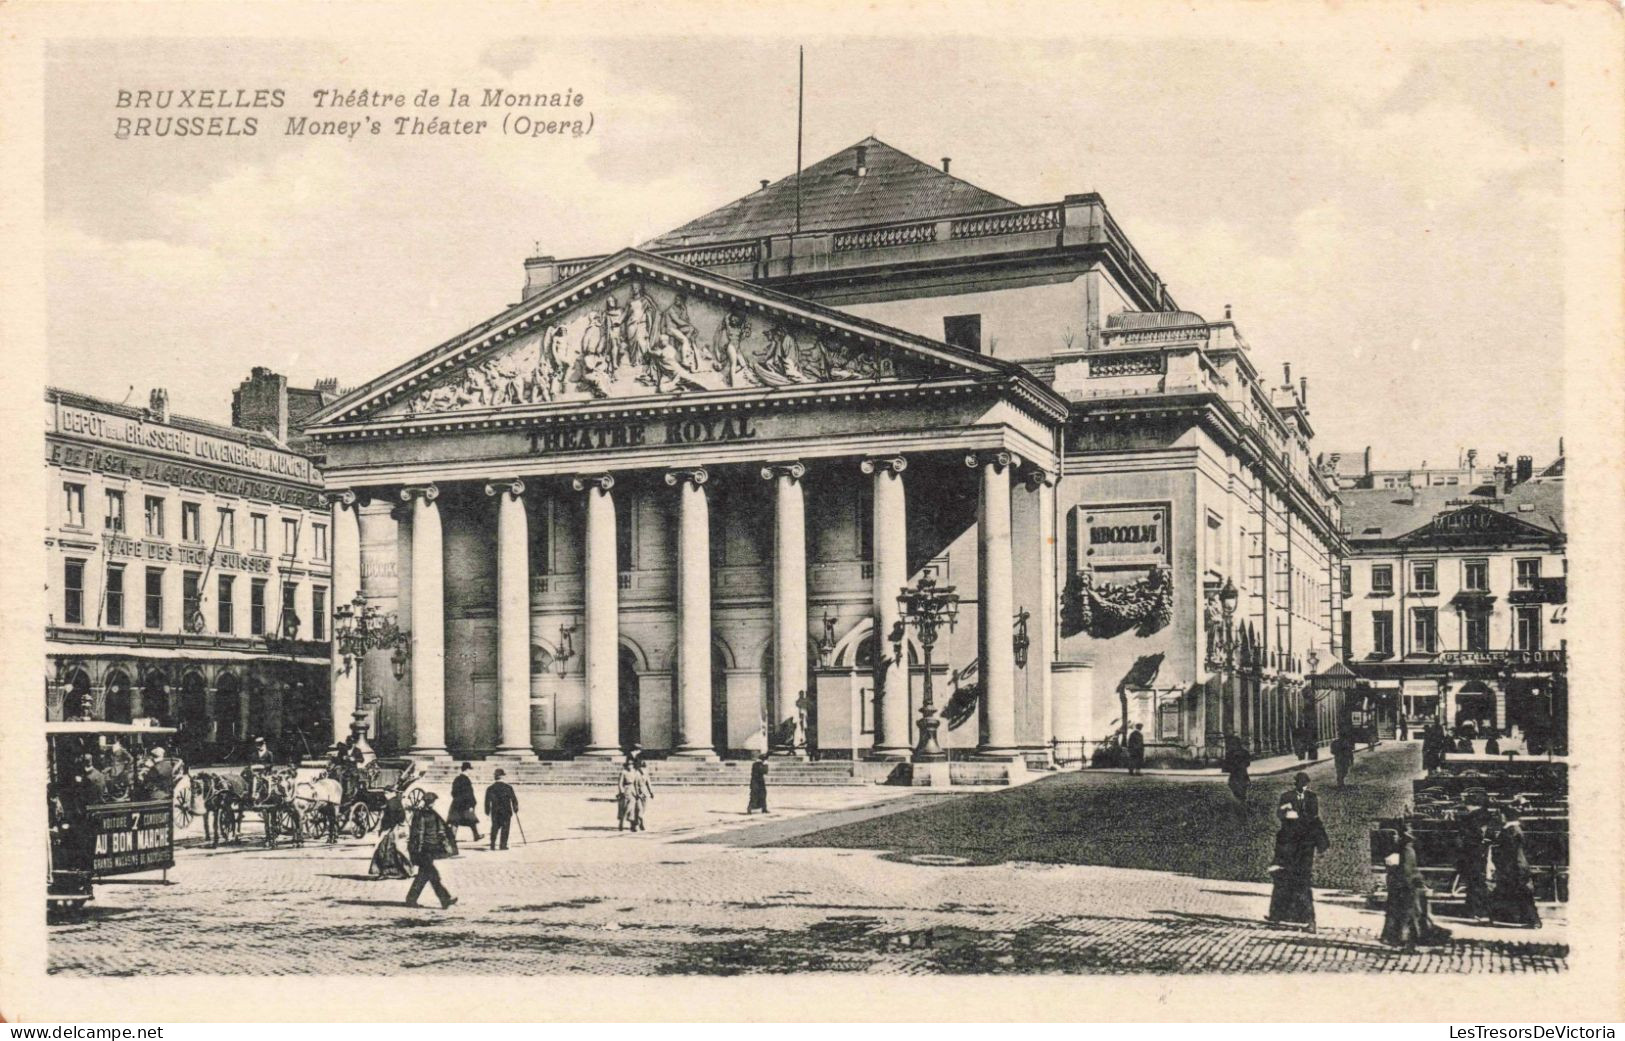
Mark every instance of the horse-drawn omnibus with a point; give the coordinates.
(108, 814)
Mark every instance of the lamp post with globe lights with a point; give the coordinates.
(359, 628)
(927, 607)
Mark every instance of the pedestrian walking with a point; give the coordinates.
(1136, 750)
(1300, 837)
(463, 804)
(624, 785)
(642, 793)
(1235, 763)
(1475, 831)
(1513, 899)
(1433, 745)
(758, 785)
(501, 804)
(1408, 920)
(1343, 755)
(1404, 728)
(430, 839)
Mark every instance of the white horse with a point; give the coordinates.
(319, 801)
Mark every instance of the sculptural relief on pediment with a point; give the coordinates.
(641, 341)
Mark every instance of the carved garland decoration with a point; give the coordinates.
(1110, 608)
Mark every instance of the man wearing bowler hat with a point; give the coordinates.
(501, 805)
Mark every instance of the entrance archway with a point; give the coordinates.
(228, 710)
(118, 708)
(629, 728)
(1475, 707)
(154, 700)
(79, 703)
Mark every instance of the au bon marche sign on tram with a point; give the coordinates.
(132, 837)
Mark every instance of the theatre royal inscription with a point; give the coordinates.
(598, 436)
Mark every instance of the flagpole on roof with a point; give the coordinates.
(801, 89)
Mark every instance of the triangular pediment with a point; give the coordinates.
(1471, 525)
(640, 326)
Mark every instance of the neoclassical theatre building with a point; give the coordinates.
(672, 497)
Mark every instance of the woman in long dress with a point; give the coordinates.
(1408, 921)
(1235, 763)
(388, 857)
(1292, 899)
(1513, 899)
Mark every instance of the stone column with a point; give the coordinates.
(789, 608)
(428, 624)
(344, 686)
(995, 606)
(890, 566)
(693, 728)
(600, 588)
(513, 620)
(1042, 623)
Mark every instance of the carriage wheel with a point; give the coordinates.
(183, 811)
(361, 821)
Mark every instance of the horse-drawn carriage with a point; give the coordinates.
(228, 798)
(357, 804)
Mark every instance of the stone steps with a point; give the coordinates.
(601, 773)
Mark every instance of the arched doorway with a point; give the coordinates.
(79, 703)
(117, 700)
(1475, 707)
(154, 697)
(629, 727)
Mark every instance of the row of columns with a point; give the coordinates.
(601, 650)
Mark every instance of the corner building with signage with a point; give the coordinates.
(671, 498)
(1456, 601)
(189, 578)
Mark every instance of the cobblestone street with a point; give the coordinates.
(1036, 879)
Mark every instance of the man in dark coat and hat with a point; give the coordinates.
(501, 805)
(1136, 750)
(429, 840)
(463, 804)
(758, 785)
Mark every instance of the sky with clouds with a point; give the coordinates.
(1384, 217)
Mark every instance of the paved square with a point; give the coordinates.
(1035, 879)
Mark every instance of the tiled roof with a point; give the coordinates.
(74, 399)
(1387, 513)
(897, 187)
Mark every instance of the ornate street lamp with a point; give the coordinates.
(927, 607)
(1021, 642)
(358, 629)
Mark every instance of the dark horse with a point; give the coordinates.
(227, 798)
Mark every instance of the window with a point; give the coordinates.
(1528, 573)
(1382, 579)
(624, 515)
(1425, 630)
(290, 537)
(1478, 631)
(73, 505)
(191, 522)
(1382, 633)
(541, 539)
(256, 607)
(318, 613)
(224, 604)
(1475, 576)
(155, 598)
(192, 600)
(1348, 635)
(114, 521)
(115, 595)
(1526, 621)
(963, 330)
(318, 535)
(226, 533)
(1424, 576)
(1347, 578)
(289, 622)
(155, 516)
(73, 592)
(258, 523)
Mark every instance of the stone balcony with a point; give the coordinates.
(1079, 224)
